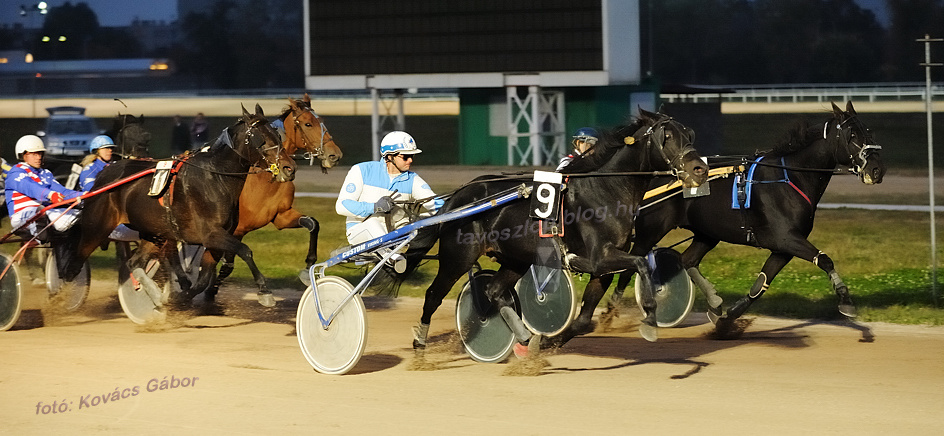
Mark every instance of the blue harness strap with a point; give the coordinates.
(749, 181)
(746, 184)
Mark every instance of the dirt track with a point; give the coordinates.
(246, 375)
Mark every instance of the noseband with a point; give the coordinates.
(844, 136)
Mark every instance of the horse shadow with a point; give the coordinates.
(685, 350)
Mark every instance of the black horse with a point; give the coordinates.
(130, 136)
(786, 185)
(654, 142)
(199, 205)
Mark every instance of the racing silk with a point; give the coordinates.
(89, 173)
(366, 182)
(30, 187)
(566, 160)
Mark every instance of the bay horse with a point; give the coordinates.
(787, 183)
(262, 201)
(618, 173)
(199, 205)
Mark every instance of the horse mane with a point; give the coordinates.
(611, 141)
(288, 109)
(800, 136)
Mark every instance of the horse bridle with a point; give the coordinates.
(844, 136)
(262, 149)
(318, 152)
(656, 135)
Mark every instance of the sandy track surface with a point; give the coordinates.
(245, 375)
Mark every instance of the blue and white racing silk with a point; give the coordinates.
(366, 182)
(90, 172)
(27, 191)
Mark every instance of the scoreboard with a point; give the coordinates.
(358, 44)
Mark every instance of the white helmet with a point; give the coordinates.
(29, 143)
(398, 142)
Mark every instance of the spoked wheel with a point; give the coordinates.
(11, 293)
(485, 334)
(141, 301)
(547, 299)
(68, 296)
(338, 348)
(674, 292)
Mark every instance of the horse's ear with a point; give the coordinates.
(259, 111)
(646, 114)
(306, 98)
(849, 108)
(837, 112)
(245, 112)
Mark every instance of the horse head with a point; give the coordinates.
(305, 130)
(673, 143)
(855, 146)
(261, 144)
(132, 139)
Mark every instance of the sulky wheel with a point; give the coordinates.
(337, 348)
(673, 287)
(67, 295)
(142, 299)
(485, 334)
(547, 299)
(11, 293)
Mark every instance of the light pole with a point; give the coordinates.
(927, 40)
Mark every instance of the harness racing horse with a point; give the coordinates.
(786, 184)
(262, 201)
(618, 173)
(198, 205)
(130, 136)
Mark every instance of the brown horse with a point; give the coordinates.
(262, 201)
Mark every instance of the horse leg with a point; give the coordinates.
(498, 293)
(292, 219)
(615, 261)
(447, 276)
(775, 262)
(845, 299)
(221, 241)
(583, 323)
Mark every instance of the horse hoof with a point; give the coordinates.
(848, 310)
(714, 314)
(266, 299)
(715, 301)
(648, 332)
(304, 277)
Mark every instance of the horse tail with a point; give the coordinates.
(388, 281)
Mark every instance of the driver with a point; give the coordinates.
(101, 148)
(370, 188)
(29, 187)
(584, 140)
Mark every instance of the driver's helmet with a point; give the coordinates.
(397, 142)
(99, 142)
(586, 134)
(29, 143)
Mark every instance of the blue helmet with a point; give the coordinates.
(584, 133)
(99, 142)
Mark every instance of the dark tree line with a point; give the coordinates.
(722, 42)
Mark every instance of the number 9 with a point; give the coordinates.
(545, 195)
